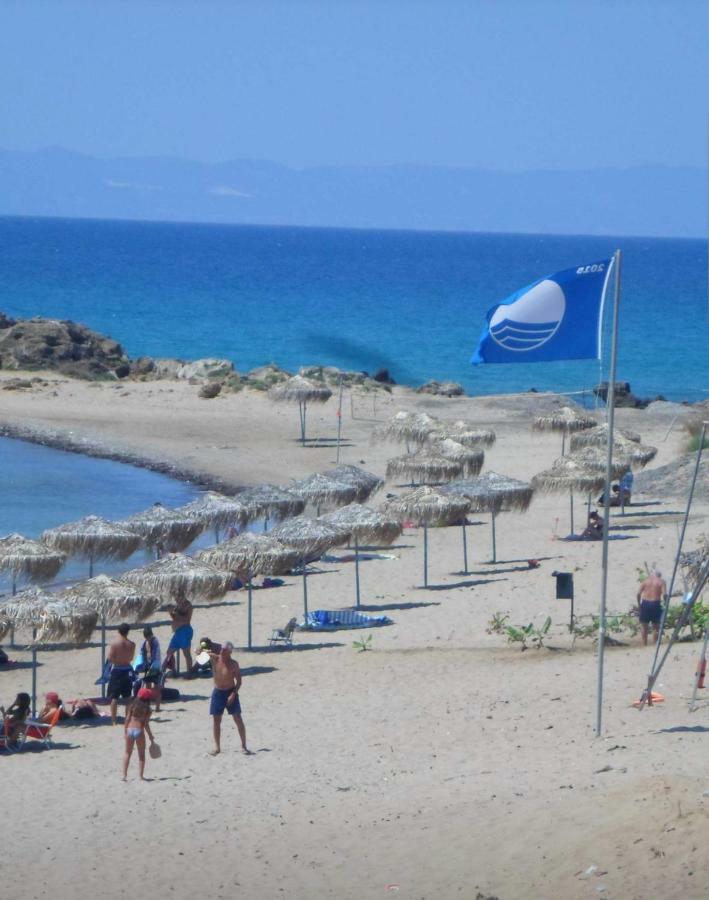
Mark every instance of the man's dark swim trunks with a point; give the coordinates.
(650, 612)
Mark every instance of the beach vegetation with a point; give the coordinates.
(498, 623)
(528, 635)
(694, 432)
(363, 644)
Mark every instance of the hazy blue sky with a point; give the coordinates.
(501, 84)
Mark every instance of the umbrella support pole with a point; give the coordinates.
(34, 674)
(103, 656)
(305, 594)
(216, 534)
(494, 539)
(12, 627)
(357, 571)
(91, 567)
(465, 549)
(251, 599)
(571, 508)
(425, 555)
(339, 425)
(301, 409)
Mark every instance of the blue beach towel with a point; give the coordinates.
(332, 619)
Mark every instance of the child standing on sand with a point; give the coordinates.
(136, 725)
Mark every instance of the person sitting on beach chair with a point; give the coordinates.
(283, 635)
(14, 719)
(594, 528)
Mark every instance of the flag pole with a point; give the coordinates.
(607, 493)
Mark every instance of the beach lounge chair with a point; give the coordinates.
(283, 635)
(40, 731)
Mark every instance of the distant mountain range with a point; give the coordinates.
(645, 200)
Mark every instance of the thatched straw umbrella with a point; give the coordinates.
(219, 511)
(425, 467)
(49, 619)
(471, 460)
(323, 490)
(598, 437)
(311, 538)
(164, 529)
(365, 526)
(177, 576)
(408, 428)
(566, 419)
(93, 538)
(303, 391)
(426, 506)
(366, 483)
(573, 473)
(28, 559)
(490, 493)
(624, 448)
(248, 555)
(112, 600)
(466, 434)
(271, 502)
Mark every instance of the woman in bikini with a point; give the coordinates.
(136, 726)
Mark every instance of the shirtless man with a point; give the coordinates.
(650, 597)
(225, 696)
(181, 615)
(120, 682)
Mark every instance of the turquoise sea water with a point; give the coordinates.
(413, 302)
(43, 487)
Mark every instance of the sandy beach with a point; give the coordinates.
(445, 762)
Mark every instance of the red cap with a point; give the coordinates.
(52, 697)
(145, 694)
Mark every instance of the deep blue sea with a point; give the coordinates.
(413, 302)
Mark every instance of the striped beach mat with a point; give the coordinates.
(332, 619)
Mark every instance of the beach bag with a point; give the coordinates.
(154, 751)
(169, 694)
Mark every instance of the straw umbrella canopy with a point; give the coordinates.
(467, 435)
(426, 506)
(566, 419)
(301, 391)
(163, 528)
(248, 555)
(409, 428)
(28, 559)
(598, 436)
(50, 620)
(176, 576)
(490, 493)
(219, 511)
(365, 526)
(93, 538)
(425, 466)
(471, 460)
(271, 502)
(311, 538)
(111, 598)
(624, 448)
(365, 482)
(324, 490)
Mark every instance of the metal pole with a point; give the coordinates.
(666, 606)
(339, 424)
(34, 673)
(607, 496)
(494, 540)
(425, 555)
(571, 500)
(250, 609)
(698, 673)
(305, 594)
(91, 565)
(465, 549)
(357, 569)
(103, 656)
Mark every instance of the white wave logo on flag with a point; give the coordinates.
(530, 321)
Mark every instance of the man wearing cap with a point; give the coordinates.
(225, 696)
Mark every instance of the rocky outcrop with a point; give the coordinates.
(206, 370)
(62, 346)
(441, 389)
(623, 395)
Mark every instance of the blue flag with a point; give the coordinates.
(556, 317)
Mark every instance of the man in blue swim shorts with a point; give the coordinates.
(225, 696)
(181, 615)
